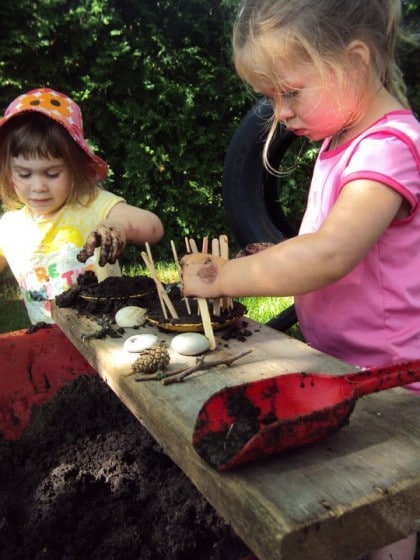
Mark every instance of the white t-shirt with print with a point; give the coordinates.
(42, 254)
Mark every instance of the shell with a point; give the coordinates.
(190, 343)
(140, 342)
(130, 316)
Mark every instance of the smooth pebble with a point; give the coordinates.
(140, 342)
(190, 343)
(130, 316)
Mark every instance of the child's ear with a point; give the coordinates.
(358, 53)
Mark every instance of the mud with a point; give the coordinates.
(95, 298)
(86, 481)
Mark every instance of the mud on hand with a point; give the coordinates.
(110, 238)
(199, 272)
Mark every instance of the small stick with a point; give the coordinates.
(178, 377)
(178, 267)
(180, 374)
(163, 296)
(204, 309)
(224, 252)
(215, 250)
(148, 266)
(193, 245)
(152, 269)
(205, 245)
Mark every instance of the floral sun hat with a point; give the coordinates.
(61, 109)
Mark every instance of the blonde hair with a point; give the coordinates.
(32, 134)
(317, 31)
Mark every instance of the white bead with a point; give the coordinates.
(190, 343)
(130, 316)
(140, 342)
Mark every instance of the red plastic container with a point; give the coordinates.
(33, 367)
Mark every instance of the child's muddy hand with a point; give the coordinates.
(110, 238)
(199, 274)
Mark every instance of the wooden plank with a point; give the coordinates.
(354, 492)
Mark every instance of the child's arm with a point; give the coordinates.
(124, 224)
(362, 213)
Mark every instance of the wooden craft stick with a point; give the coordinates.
(162, 303)
(161, 290)
(193, 245)
(205, 245)
(215, 250)
(163, 296)
(178, 267)
(204, 310)
(224, 252)
(206, 320)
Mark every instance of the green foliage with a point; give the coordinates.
(158, 92)
(13, 315)
(156, 86)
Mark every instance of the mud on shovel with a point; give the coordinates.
(255, 420)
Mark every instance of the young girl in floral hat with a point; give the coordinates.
(329, 68)
(57, 214)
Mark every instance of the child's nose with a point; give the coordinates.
(283, 111)
(38, 183)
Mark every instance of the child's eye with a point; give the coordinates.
(22, 175)
(53, 174)
(290, 94)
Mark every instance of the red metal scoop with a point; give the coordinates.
(262, 418)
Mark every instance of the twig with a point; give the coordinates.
(201, 365)
(179, 375)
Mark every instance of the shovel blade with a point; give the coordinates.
(267, 417)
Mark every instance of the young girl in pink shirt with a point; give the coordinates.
(329, 68)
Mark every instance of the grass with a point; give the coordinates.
(13, 314)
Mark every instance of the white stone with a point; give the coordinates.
(130, 316)
(190, 343)
(140, 342)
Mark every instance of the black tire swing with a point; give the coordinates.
(251, 194)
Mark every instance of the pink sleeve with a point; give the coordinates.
(387, 159)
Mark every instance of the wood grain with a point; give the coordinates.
(356, 491)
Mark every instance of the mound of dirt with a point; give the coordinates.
(87, 481)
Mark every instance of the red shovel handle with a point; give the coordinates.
(372, 380)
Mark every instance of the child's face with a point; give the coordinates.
(43, 185)
(311, 106)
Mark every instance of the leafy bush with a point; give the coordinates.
(157, 89)
(156, 86)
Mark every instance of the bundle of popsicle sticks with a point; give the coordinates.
(219, 247)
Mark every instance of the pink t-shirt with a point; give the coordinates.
(371, 317)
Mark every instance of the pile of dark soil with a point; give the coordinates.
(107, 297)
(225, 316)
(87, 481)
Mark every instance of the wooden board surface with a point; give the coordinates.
(356, 491)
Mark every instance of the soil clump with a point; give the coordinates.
(91, 297)
(87, 481)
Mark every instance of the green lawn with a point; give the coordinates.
(13, 314)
